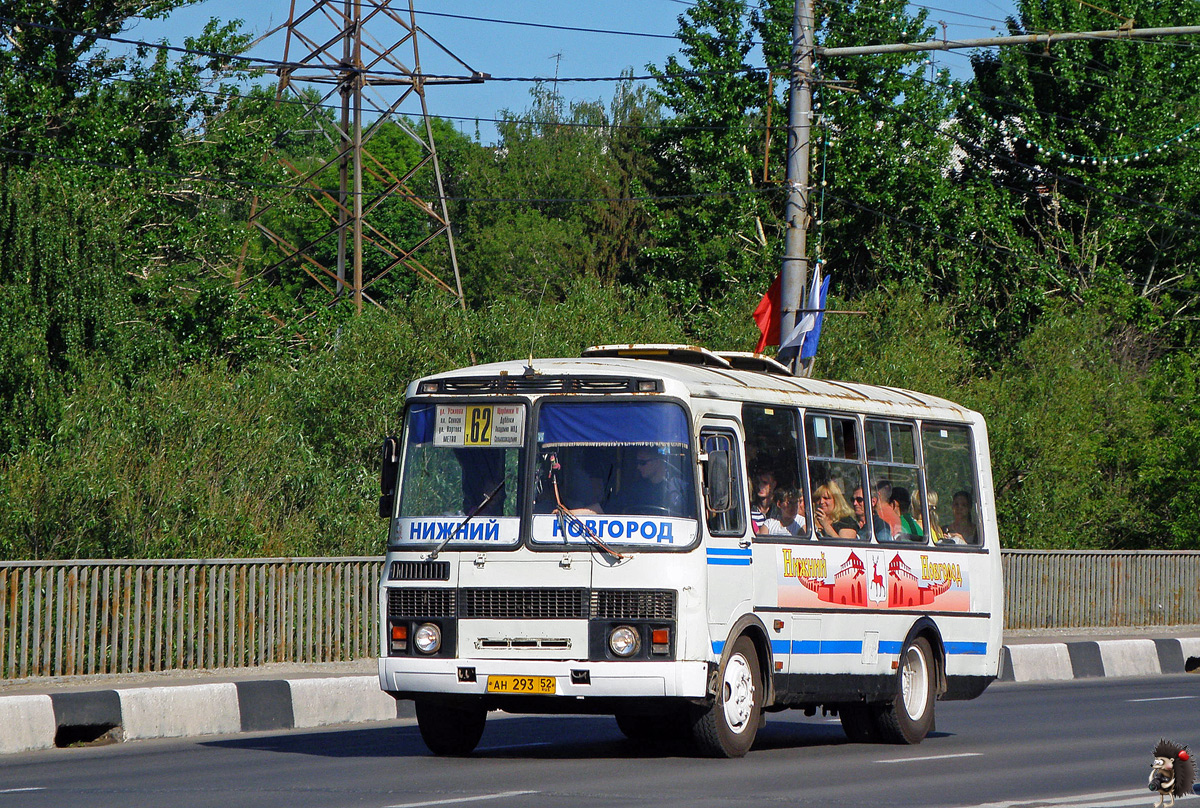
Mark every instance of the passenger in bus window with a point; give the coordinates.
(482, 481)
(902, 502)
(655, 491)
(934, 528)
(960, 521)
(882, 531)
(788, 503)
(834, 517)
(764, 483)
(881, 503)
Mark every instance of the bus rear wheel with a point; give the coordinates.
(448, 729)
(657, 727)
(908, 717)
(726, 728)
(858, 720)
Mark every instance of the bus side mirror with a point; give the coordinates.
(718, 483)
(388, 473)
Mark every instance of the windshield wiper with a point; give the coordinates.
(474, 511)
(590, 539)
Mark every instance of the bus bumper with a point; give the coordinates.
(573, 678)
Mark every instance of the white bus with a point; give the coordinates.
(688, 541)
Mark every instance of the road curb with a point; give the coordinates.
(1087, 659)
(32, 722)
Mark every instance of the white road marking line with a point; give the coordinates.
(453, 800)
(1106, 799)
(16, 790)
(932, 757)
(1160, 698)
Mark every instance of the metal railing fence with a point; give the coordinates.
(1100, 588)
(68, 618)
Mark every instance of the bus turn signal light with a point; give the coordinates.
(660, 641)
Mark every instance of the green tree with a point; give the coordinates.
(717, 226)
(555, 199)
(1081, 138)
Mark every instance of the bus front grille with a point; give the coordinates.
(419, 571)
(524, 604)
(421, 603)
(633, 604)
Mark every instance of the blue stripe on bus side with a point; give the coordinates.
(853, 647)
(729, 556)
(826, 646)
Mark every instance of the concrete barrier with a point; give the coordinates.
(26, 723)
(347, 699)
(1040, 662)
(180, 711)
(1130, 658)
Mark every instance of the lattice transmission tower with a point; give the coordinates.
(354, 67)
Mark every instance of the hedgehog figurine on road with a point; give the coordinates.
(1172, 773)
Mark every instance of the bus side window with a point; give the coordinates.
(731, 520)
(950, 476)
(835, 474)
(773, 461)
(895, 493)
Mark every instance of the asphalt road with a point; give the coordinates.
(1082, 743)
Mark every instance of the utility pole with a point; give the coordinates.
(805, 52)
(794, 276)
(330, 53)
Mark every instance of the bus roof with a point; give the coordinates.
(701, 373)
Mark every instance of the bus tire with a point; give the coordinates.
(858, 721)
(450, 729)
(660, 727)
(727, 726)
(908, 717)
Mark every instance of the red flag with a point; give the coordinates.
(766, 314)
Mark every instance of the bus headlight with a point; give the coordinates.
(428, 638)
(624, 641)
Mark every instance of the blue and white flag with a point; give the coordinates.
(809, 349)
(811, 318)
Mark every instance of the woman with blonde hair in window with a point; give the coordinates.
(834, 517)
(934, 528)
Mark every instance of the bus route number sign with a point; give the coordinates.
(480, 425)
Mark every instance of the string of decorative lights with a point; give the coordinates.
(1068, 179)
(1071, 157)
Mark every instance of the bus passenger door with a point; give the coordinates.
(727, 544)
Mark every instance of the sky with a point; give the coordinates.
(507, 50)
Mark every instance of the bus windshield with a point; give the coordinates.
(626, 458)
(461, 474)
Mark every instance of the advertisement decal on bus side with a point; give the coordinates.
(871, 579)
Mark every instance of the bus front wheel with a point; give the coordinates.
(450, 729)
(908, 717)
(726, 728)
